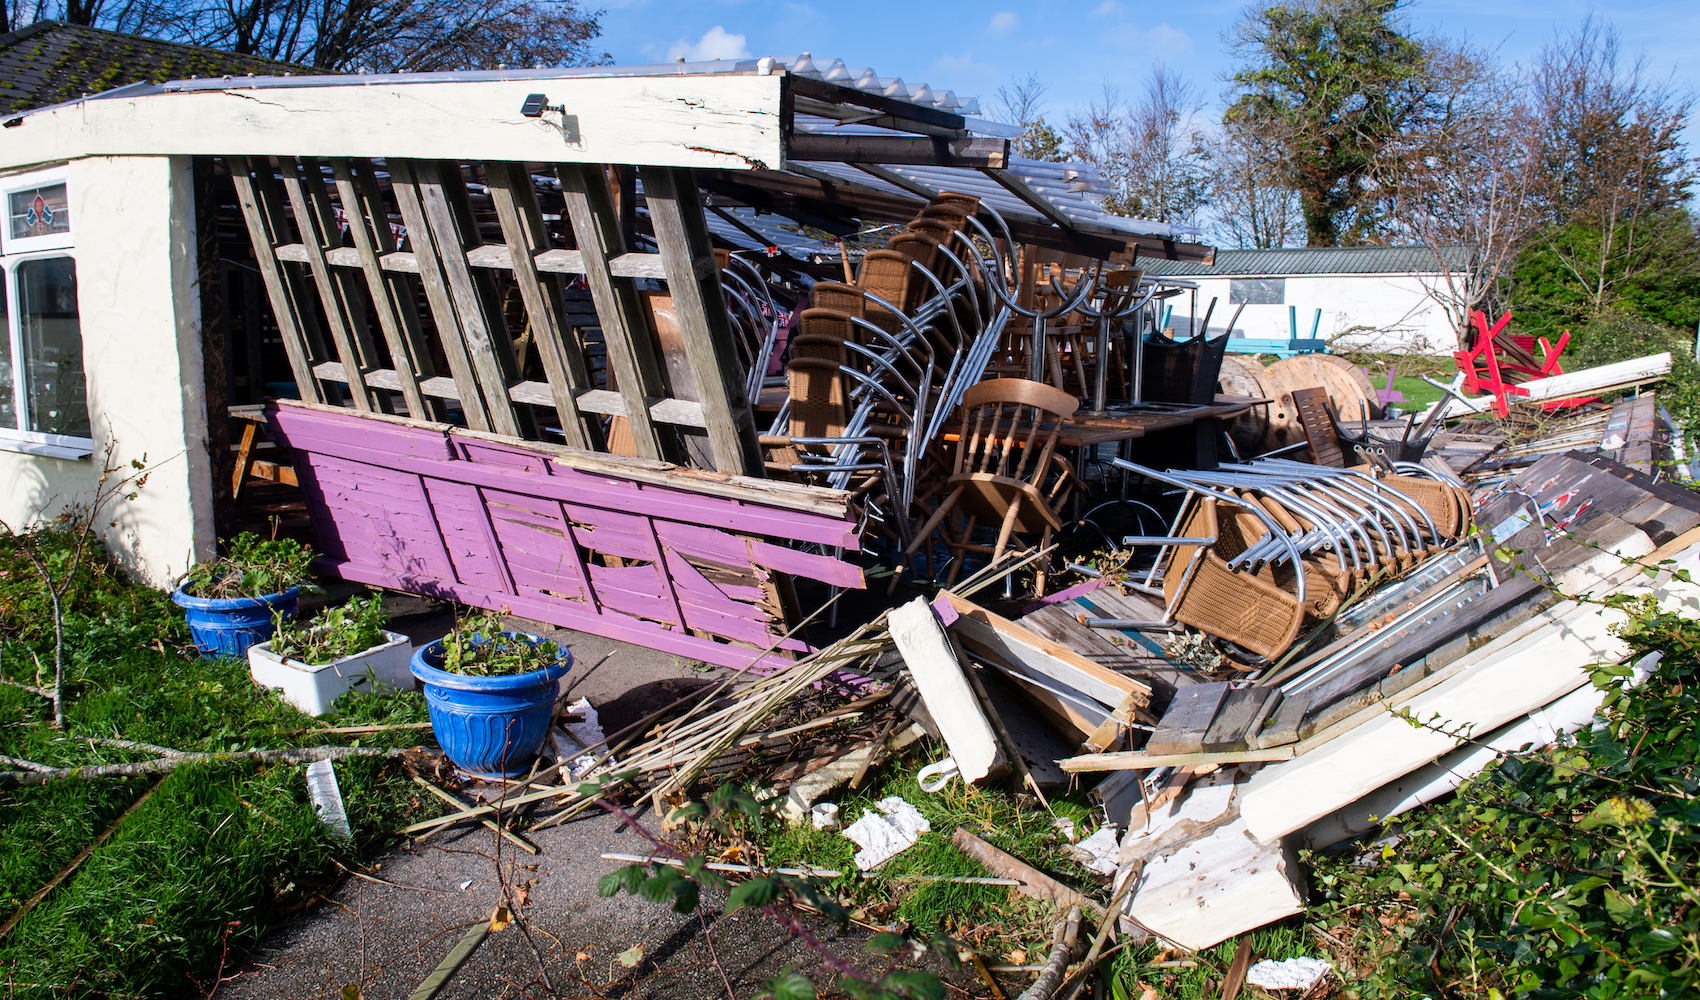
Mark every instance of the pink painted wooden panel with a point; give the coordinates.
(422, 509)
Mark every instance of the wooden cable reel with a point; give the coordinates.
(1277, 425)
(1241, 375)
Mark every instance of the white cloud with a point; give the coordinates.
(1160, 40)
(1003, 22)
(1107, 8)
(715, 43)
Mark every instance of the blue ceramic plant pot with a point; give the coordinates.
(490, 726)
(227, 626)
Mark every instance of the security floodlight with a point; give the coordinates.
(535, 105)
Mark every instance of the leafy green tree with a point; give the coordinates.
(1329, 83)
(1614, 177)
(1042, 142)
(1660, 277)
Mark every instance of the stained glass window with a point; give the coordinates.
(40, 211)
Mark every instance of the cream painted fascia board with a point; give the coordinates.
(730, 122)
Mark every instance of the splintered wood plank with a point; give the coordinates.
(1107, 603)
(950, 700)
(1057, 623)
(1188, 719)
(681, 235)
(1049, 662)
(1034, 882)
(1070, 712)
(260, 211)
(1282, 726)
(1140, 760)
(1237, 719)
(631, 354)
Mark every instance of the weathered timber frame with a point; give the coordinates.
(456, 266)
(679, 560)
(459, 416)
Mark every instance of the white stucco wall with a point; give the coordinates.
(133, 220)
(1398, 308)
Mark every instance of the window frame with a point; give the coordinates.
(9, 186)
(14, 252)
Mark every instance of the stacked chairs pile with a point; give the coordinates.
(877, 366)
(756, 320)
(1258, 552)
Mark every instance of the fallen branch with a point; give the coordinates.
(1107, 923)
(293, 755)
(39, 692)
(133, 745)
(1034, 882)
(720, 866)
(1062, 946)
(28, 765)
(352, 730)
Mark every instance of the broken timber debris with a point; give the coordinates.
(938, 673)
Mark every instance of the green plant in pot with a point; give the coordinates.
(233, 601)
(343, 648)
(491, 693)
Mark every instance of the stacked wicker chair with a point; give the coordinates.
(1260, 551)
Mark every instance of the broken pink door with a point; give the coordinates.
(672, 559)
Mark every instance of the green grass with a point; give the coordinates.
(217, 855)
(1001, 924)
(1023, 829)
(1418, 394)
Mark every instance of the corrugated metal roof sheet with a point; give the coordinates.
(1052, 181)
(1317, 260)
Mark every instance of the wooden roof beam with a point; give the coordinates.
(972, 151)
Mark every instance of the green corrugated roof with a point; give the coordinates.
(50, 62)
(1314, 260)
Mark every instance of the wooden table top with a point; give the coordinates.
(1087, 428)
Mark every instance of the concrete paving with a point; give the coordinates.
(384, 934)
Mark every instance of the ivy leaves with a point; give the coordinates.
(1571, 870)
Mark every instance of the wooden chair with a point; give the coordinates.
(1312, 407)
(1006, 470)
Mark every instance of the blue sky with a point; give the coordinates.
(1076, 47)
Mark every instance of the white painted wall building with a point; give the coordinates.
(102, 344)
(1371, 298)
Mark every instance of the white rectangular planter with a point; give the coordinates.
(312, 688)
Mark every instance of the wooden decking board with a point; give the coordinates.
(1102, 605)
(1058, 624)
(1188, 719)
(1234, 727)
(1282, 726)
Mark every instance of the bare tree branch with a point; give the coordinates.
(299, 755)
